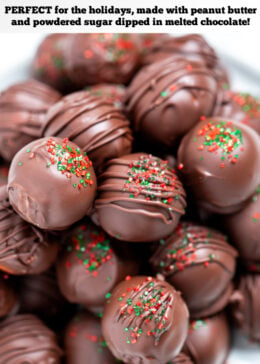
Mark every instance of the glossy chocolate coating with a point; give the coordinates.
(83, 340)
(25, 339)
(219, 162)
(201, 264)
(145, 321)
(40, 295)
(181, 359)
(241, 107)
(8, 299)
(90, 266)
(168, 97)
(22, 108)
(192, 47)
(140, 198)
(49, 63)
(93, 123)
(245, 307)
(111, 92)
(51, 183)
(23, 248)
(208, 340)
(101, 58)
(243, 229)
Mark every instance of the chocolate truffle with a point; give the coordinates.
(83, 339)
(241, 107)
(208, 340)
(25, 339)
(201, 264)
(93, 123)
(111, 92)
(22, 108)
(49, 63)
(8, 299)
(101, 58)
(40, 295)
(23, 248)
(140, 198)
(91, 265)
(51, 183)
(219, 161)
(245, 307)
(145, 321)
(174, 91)
(192, 47)
(243, 228)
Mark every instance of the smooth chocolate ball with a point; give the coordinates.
(241, 107)
(25, 339)
(92, 122)
(245, 306)
(219, 162)
(208, 340)
(243, 229)
(51, 183)
(84, 341)
(167, 98)
(49, 63)
(91, 265)
(24, 249)
(140, 198)
(23, 107)
(200, 263)
(145, 321)
(101, 58)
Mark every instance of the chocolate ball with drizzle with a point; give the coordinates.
(23, 107)
(84, 339)
(101, 58)
(140, 198)
(92, 122)
(91, 265)
(175, 91)
(145, 321)
(219, 162)
(23, 248)
(201, 264)
(111, 92)
(51, 183)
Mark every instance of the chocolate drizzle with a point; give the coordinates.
(93, 123)
(143, 186)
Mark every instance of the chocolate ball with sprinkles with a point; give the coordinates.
(101, 58)
(145, 321)
(83, 339)
(245, 307)
(219, 162)
(91, 265)
(113, 93)
(23, 248)
(25, 339)
(23, 107)
(175, 91)
(51, 183)
(200, 263)
(208, 340)
(49, 63)
(241, 107)
(140, 198)
(92, 122)
(243, 229)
